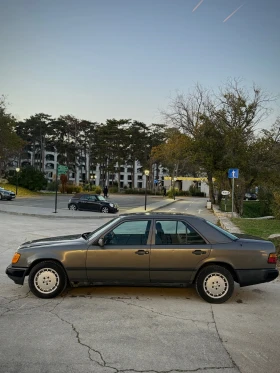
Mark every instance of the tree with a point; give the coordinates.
(10, 143)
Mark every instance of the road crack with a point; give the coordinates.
(222, 342)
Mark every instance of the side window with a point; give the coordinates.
(84, 197)
(176, 233)
(129, 233)
(92, 198)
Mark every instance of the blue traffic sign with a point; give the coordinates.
(155, 181)
(233, 173)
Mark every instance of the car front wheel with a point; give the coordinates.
(215, 284)
(47, 279)
(105, 210)
(73, 207)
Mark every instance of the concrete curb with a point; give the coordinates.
(225, 222)
(92, 215)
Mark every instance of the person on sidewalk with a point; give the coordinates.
(105, 192)
(164, 192)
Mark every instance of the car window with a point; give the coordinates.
(92, 198)
(174, 232)
(231, 236)
(129, 233)
(101, 198)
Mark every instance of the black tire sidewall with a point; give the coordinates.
(204, 273)
(62, 279)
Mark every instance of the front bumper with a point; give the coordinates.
(256, 276)
(16, 274)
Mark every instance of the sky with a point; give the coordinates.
(101, 59)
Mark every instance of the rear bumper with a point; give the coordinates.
(16, 274)
(256, 276)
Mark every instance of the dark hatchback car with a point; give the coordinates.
(250, 197)
(6, 194)
(147, 249)
(92, 202)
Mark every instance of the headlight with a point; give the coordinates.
(111, 204)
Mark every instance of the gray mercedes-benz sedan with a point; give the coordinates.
(147, 249)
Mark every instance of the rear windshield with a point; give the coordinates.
(229, 235)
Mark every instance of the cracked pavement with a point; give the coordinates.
(121, 329)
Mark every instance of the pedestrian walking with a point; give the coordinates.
(105, 192)
(164, 192)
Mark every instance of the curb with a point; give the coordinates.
(225, 222)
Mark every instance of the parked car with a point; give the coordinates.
(6, 194)
(147, 249)
(250, 197)
(92, 202)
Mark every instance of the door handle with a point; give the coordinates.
(142, 252)
(198, 252)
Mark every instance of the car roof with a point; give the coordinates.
(84, 194)
(159, 215)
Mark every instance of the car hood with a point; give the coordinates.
(53, 241)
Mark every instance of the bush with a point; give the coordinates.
(98, 190)
(136, 191)
(51, 187)
(29, 178)
(276, 205)
(113, 189)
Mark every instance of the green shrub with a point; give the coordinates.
(29, 178)
(276, 205)
(98, 190)
(136, 191)
(77, 188)
(51, 187)
(113, 189)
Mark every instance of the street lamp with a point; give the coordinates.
(174, 180)
(147, 172)
(17, 171)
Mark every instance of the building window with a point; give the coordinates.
(139, 185)
(139, 177)
(129, 177)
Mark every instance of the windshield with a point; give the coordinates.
(231, 236)
(101, 229)
(101, 198)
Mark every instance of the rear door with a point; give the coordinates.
(176, 251)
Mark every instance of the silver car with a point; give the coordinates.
(147, 249)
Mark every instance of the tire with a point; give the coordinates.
(73, 207)
(215, 284)
(47, 279)
(105, 210)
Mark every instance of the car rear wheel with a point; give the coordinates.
(73, 207)
(47, 279)
(105, 210)
(215, 284)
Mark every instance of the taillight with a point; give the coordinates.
(272, 258)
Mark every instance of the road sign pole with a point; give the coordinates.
(232, 202)
(56, 178)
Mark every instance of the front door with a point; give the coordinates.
(125, 256)
(176, 251)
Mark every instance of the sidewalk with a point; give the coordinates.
(65, 213)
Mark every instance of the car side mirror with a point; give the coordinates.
(101, 242)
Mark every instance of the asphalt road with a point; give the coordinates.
(119, 329)
(125, 202)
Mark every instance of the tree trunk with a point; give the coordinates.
(211, 188)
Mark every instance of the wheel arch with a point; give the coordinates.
(221, 264)
(37, 261)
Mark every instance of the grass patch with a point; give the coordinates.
(260, 228)
(22, 192)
